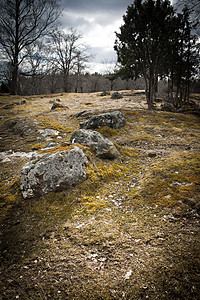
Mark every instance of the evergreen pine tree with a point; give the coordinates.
(145, 41)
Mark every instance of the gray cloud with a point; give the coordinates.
(95, 6)
(70, 20)
(96, 21)
(101, 54)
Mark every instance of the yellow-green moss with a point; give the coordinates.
(9, 195)
(50, 122)
(107, 131)
(37, 146)
(172, 180)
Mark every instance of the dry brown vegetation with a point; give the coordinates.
(130, 231)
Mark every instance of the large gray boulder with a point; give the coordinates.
(113, 119)
(103, 146)
(53, 172)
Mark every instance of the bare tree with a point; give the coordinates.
(194, 9)
(38, 60)
(193, 5)
(37, 63)
(70, 55)
(111, 72)
(22, 22)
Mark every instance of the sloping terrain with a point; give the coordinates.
(130, 231)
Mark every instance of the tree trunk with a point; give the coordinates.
(150, 93)
(65, 83)
(150, 83)
(14, 81)
(111, 85)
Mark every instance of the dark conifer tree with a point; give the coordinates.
(145, 41)
(185, 60)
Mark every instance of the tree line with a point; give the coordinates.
(38, 56)
(33, 46)
(155, 42)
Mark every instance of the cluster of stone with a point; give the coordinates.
(61, 170)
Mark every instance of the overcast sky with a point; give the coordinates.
(97, 21)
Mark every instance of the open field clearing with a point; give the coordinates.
(130, 231)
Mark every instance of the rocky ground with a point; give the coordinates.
(130, 231)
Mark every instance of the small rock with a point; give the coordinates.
(50, 145)
(128, 274)
(152, 154)
(167, 106)
(84, 114)
(20, 102)
(48, 131)
(58, 105)
(116, 95)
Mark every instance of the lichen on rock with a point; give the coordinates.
(103, 146)
(53, 172)
(115, 119)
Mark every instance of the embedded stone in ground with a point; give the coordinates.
(53, 172)
(58, 105)
(104, 147)
(115, 119)
(116, 95)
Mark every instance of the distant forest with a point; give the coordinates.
(82, 83)
(157, 41)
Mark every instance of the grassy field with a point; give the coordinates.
(130, 231)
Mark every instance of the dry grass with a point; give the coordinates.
(130, 231)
